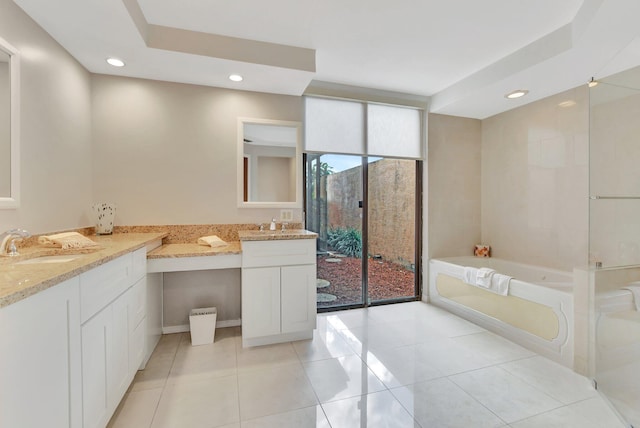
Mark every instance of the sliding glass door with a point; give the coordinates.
(365, 211)
(391, 229)
(334, 197)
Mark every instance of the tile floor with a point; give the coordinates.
(404, 365)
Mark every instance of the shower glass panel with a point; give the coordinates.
(614, 241)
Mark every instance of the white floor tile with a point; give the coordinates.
(379, 409)
(440, 367)
(349, 319)
(559, 382)
(340, 378)
(274, 390)
(440, 403)
(494, 348)
(401, 366)
(592, 413)
(310, 417)
(504, 394)
(326, 343)
(137, 409)
(204, 404)
(264, 357)
(449, 357)
(202, 362)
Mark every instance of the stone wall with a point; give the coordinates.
(392, 184)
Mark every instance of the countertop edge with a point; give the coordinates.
(55, 279)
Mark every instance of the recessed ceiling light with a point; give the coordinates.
(517, 94)
(593, 82)
(235, 78)
(115, 62)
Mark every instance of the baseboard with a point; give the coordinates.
(171, 329)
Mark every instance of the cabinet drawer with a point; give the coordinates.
(100, 286)
(278, 253)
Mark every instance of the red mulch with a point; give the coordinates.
(387, 280)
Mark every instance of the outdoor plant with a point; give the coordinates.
(346, 240)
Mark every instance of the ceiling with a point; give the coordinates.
(463, 54)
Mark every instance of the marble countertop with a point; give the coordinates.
(193, 250)
(18, 281)
(275, 235)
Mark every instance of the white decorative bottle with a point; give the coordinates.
(105, 214)
(272, 226)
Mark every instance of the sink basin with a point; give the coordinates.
(49, 259)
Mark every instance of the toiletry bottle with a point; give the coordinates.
(273, 224)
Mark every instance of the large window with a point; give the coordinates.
(363, 185)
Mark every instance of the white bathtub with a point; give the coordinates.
(537, 313)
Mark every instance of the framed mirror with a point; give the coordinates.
(269, 164)
(9, 126)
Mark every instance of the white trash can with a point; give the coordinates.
(202, 323)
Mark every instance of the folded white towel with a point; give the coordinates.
(500, 284)
(635, 290)
(67, 240)
(213, 241)
(470, 275)
(484, 277)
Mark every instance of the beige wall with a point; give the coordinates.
(56, 130)
(535, 182)
(453, 185)
(165, 153)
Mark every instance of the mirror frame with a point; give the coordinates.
(298, 162)
(12, 201)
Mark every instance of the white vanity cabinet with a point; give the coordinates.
(112, 302)
(40, 379)
(278, 291)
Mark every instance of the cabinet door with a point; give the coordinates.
(298, 294)
(118, 351)
(96, 337)
(137, 325)
(40, 382)
(260, 302)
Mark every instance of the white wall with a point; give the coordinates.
(453, 185)
(55, 127)
(535, 182)
(166, 153)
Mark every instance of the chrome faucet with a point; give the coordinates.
(9, 238)
(284, 226)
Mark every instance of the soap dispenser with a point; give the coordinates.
(273, 224)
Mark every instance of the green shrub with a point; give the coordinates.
(348, 241)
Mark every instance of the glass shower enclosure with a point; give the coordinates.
(614, 241)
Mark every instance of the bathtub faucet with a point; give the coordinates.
(9, 238)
